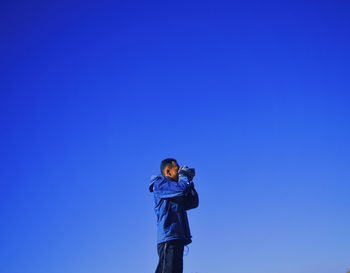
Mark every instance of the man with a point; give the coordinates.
(174, 194)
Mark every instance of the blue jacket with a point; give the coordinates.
(172, 200)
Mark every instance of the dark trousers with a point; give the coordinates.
(170, 257)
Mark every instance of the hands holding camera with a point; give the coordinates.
(186, 171)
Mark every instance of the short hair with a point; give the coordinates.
(166, 163)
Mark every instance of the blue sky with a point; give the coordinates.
(254, 95)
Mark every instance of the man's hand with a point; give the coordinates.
(186, 171)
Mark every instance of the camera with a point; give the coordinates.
(189, 172)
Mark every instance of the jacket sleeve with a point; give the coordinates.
(169, 189)
(191, 199)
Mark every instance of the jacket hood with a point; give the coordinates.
(154, 178)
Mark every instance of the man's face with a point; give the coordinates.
(172, 171)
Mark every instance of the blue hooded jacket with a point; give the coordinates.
(172, 199)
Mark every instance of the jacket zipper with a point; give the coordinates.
(164, 257)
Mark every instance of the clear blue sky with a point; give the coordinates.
(253, 94)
